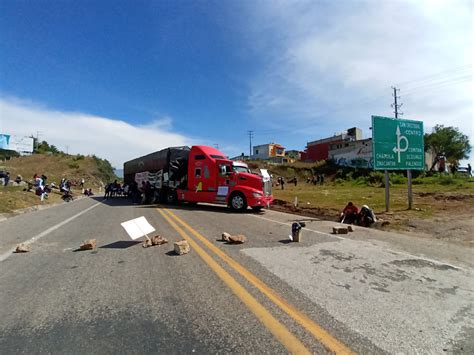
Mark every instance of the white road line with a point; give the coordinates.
(5, 256)
(342, 238)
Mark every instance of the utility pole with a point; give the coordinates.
(38, 133)
(396, 106)
(250, 133)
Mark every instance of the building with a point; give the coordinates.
(268, 151)
(356, 154)
(359, 154)
(319, 149)
(293, 155)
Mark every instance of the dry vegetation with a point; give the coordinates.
(72, 167)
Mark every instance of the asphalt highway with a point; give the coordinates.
(367, 292)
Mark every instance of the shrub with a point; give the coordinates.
(361, 180)
(447, 180)
(376, 178)
(418, 181)
(398, 179)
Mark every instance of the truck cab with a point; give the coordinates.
(213, 178)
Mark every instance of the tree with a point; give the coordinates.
(447, 141)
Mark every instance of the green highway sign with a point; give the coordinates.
(397, 144)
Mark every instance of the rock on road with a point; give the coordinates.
(370, 291)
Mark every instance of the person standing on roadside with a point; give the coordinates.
(282, 183)
(6, 179)
(469, 170)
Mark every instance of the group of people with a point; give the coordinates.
(315, 179)
(114, 189)
(5, 178)
(131, 190)
(281, 182)
(352, 215)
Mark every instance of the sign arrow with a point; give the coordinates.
(398, 149)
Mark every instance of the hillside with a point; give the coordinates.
(95, 171)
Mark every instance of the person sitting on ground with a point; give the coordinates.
(350, 214)
(366, 216)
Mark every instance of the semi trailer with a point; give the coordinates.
(200, 174)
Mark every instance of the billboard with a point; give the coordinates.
(20, 144)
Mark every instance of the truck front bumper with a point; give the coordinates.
(263, 201)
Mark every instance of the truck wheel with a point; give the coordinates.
(238, 202)
(171, 197)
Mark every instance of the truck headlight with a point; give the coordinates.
(256, 194)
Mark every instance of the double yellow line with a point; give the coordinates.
(288, 340)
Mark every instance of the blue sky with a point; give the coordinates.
(131, 77)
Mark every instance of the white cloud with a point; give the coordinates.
(112, 139)
(335, 62)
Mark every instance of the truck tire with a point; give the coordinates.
(238, 202)
(171, 198)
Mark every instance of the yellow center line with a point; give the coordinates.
(289, 341)
(331, 343)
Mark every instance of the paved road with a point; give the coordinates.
(366, 292)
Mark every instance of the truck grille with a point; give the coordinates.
(267, 188)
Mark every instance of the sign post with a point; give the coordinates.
(397, 145)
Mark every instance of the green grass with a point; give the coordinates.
(335, 195)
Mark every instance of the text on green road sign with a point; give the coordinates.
(397, 144)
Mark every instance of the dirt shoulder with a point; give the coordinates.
(450, 220)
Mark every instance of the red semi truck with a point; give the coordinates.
(200, 174)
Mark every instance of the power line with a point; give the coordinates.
(454, 80)
(438, 76)
(453, 76)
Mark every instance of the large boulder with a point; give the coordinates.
(156, 240)
(181, 247)
(340, 230)
(88, 244)
(225, 237)
(237, 239)
(23, 248)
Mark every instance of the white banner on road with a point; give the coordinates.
(138, 227)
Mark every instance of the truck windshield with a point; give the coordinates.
(241, 169)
